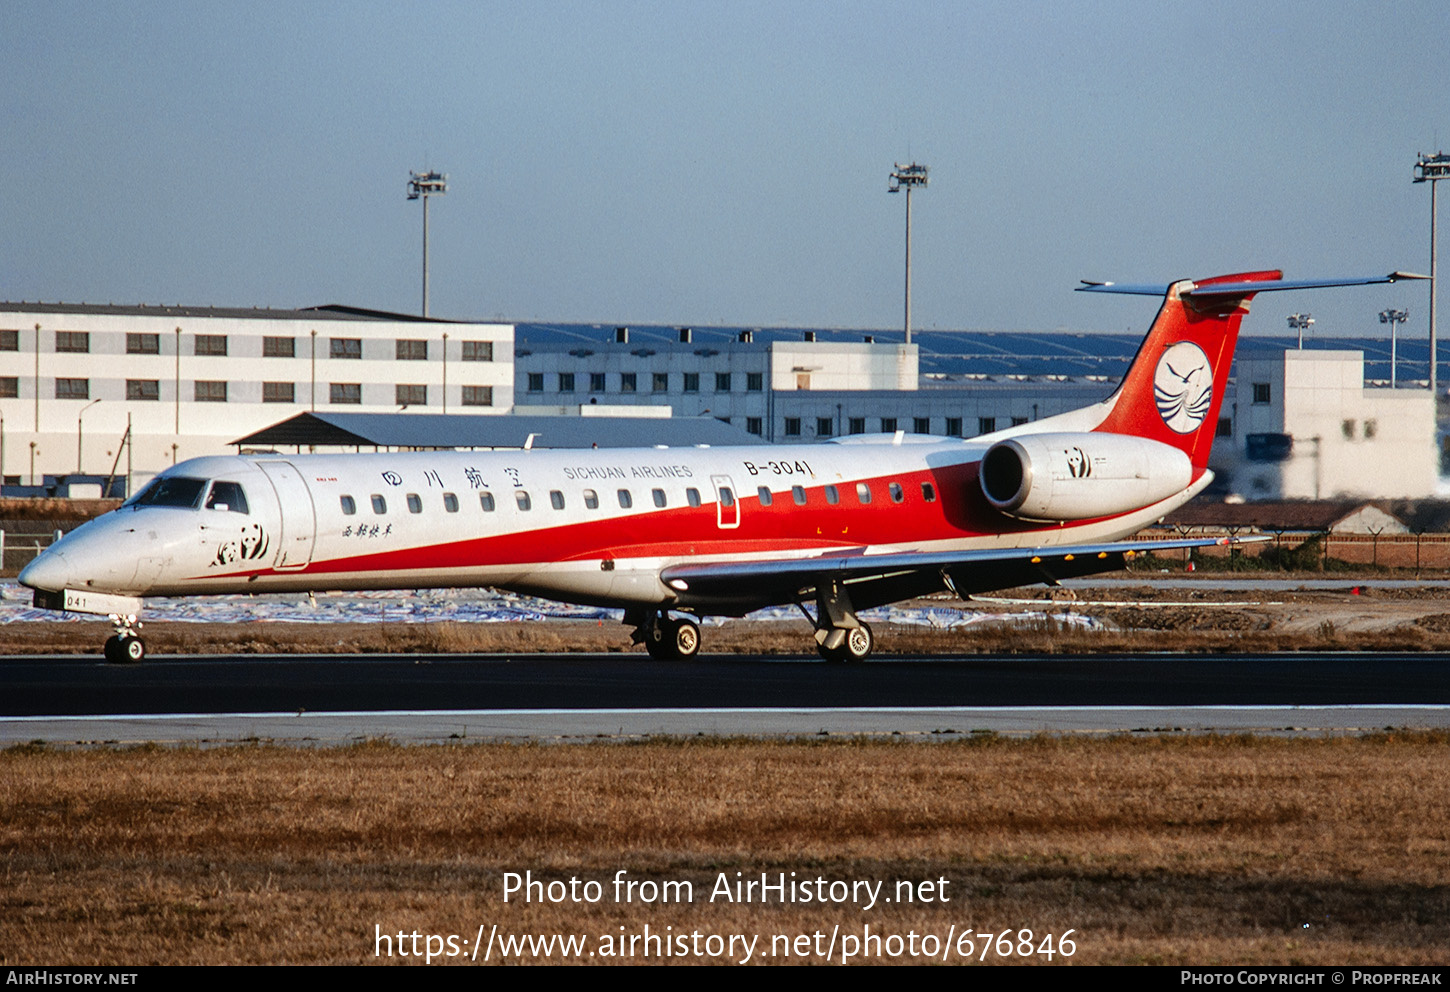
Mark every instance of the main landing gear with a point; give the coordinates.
(840, 636)
(664, 637)
(125, 645)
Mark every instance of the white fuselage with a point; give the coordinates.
(593, 526)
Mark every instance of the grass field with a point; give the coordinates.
(1158, 850)
(1134, 618)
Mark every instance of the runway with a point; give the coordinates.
(339, 698)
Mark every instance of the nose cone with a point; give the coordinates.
(50, 572)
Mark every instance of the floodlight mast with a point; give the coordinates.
(423, 185)
(904, 177)
(1303, 322)
(1431, 169)
(1393, 317)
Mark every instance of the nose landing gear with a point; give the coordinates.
(125, 645)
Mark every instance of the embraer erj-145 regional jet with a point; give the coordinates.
(674, 534)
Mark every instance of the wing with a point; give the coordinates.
(737, 587)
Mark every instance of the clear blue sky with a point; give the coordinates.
(719, 163)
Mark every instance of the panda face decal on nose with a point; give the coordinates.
(1183, 387)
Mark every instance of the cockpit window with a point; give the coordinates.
(172, 490)
(227, 496)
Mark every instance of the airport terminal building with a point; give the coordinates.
(187, 381)
(787, 386)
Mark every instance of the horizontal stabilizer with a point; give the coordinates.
(1240, 288)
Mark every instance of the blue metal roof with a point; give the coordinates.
(985, 353)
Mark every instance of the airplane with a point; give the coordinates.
(671, 535)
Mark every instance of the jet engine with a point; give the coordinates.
(1080, 476)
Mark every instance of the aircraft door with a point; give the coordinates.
(727, 505)
(297, 523)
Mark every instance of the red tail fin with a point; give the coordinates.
(1173, 390)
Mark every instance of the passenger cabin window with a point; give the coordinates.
(897, 493)
(522, 499)
(863, 492)
(174, 490)
(380, 505)
(591, 499)
(692, 496)
(415, 503)
(349, 505)
(450, 502)
(659, 497)
(556, 499)
(625, 499)
(485, 500)
(798, 494)
(928, 492)
(832, 495)
(227, 496)
(763, 494)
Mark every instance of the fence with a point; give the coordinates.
(19, 548)
(1428, 552)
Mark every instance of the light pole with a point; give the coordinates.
(904, 177)
(1393, 317)
(1431, 169)
(1303, 322)
(423, 185)
(79, 434)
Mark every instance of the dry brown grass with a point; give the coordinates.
(1160, 850)
(1187, 630)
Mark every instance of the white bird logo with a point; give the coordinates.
(1183, 387)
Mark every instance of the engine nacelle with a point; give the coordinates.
(1053, 477)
